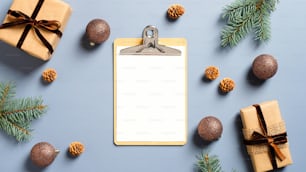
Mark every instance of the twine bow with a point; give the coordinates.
(19, 18)
(263, 138)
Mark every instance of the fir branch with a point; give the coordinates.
(237, 30)
(244, 16)
(6, 93)
(16, 115)
(21, 133)
(262, 26)
(269, 5)
(239, 8)
(24, 110)
(208, 163)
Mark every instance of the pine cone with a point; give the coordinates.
(49, 75)
(227, 85)
(76, 148)
(175, 11)
(212, 72)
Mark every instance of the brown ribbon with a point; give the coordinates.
(19, 18)
(272, 141)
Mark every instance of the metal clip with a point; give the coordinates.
(150, 45)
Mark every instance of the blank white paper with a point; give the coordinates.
(151, 98)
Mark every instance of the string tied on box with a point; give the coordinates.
(20, 18)
(272, 141)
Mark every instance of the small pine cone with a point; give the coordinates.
(212, 72)
(175, 11)
(227, 85)
(76, 148)
(49, 75)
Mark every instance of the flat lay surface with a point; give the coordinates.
(80, 100)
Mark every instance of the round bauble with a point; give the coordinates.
(264, 66)
(97, 31)
(43, 154)
(210, 128)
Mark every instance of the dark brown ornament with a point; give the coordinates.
(210, 128)
(43, 154)
(264, 66)
(97, 31)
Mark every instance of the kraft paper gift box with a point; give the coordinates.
(35, 26)
(265, 136)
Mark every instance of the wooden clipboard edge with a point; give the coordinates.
(138, 41)
(149, 143)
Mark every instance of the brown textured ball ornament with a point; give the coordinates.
(264, 66)
(210, 128)
(97, 31)
(43, 154)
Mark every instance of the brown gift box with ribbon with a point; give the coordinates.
(265, 136)
(35, 26)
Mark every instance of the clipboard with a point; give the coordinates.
(150, 90)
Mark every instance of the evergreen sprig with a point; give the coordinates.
(207, 163)
(244, 16)
(16, 114)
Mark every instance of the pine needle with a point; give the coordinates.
(207, 163)
(245, 16)
(16, 114)
(6, 93)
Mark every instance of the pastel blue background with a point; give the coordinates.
(81, 99)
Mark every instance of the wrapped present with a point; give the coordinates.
(35, 26)
(265, 136)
